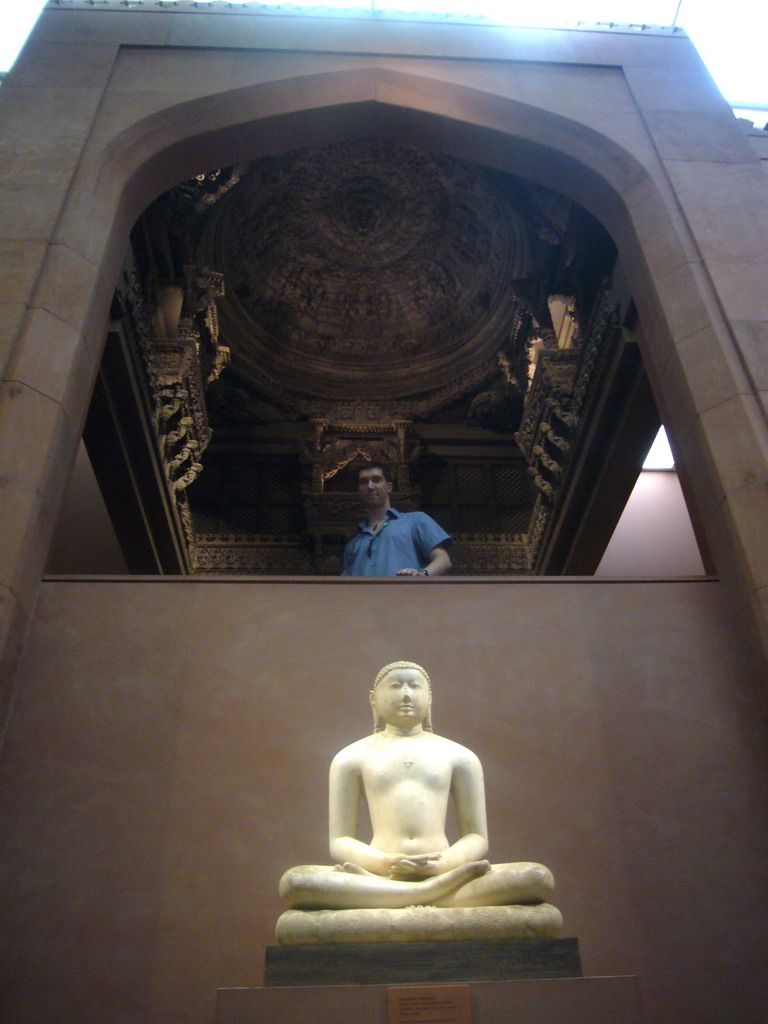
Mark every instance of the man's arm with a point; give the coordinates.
(440, 563)
(347, 559)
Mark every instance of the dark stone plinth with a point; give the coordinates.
(392, 963)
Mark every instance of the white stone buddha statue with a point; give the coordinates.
(407, 775)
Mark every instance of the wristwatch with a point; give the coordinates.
(424, 572)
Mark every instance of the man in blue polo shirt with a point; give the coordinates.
(392, 543)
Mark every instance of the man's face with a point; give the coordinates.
(374, 488)
(402, 697)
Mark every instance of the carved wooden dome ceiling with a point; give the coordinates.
(375, 272)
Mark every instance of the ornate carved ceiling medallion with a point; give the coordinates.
(366, 270)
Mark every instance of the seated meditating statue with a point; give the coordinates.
(407, 775)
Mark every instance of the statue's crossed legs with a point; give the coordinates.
(475, 884)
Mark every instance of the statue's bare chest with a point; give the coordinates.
(405, 763)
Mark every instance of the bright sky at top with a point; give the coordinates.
(730, 37)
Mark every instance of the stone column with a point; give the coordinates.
(50, 332)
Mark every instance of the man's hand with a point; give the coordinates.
(439, 564)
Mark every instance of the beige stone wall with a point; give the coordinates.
(167, 760)
(106, 108)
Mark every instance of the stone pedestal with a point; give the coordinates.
(368, 963)
(541, 1001)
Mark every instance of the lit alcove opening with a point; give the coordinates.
(654, 536)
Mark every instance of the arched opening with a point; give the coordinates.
(544, 471)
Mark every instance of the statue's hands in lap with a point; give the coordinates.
(403, 867)
(422, 865)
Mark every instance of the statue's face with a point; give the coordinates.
(402, 697)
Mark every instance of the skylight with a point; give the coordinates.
(730, 38)
(731, 44)
(16, 22)
(660, 454)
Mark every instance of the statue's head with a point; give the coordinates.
(397, 666)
